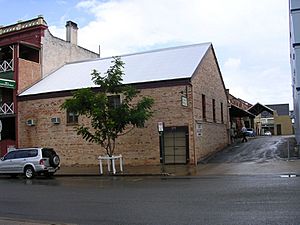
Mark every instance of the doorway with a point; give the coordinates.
(175, 147)
(8, 134)
(278, 127)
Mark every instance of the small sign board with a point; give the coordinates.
(199, 129)
(7, 83)
(184, 101)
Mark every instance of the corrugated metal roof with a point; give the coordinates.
(281, 109)
(164, 64)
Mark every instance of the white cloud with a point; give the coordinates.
(232, 64)
(254, 32)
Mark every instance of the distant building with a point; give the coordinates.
(294, 12)
(278, 123)
(239, 115)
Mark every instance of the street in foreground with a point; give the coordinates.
(148, 200)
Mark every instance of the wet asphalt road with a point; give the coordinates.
(148, 200)
(258, 149)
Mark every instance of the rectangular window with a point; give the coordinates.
(203, 107)
(72, 117)
(222, 113)
(114, 101)
(214, 109)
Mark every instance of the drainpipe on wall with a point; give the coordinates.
(15, 91)
(193, 127)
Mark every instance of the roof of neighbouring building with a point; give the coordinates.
(21, 25)
(157, 65)
(236, 111)
(281, 109)
(259, 108)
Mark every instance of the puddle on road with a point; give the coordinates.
(288, 175)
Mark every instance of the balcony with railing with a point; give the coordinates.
(7, 109)
(6, 66)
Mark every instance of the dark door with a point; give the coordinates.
(175, 145)
(278, 129)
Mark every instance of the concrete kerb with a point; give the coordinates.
(93, 171)
(115, 175)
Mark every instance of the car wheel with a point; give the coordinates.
(29, 172)
(54, 160)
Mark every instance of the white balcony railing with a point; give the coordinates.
(6, 66)
(6, 109)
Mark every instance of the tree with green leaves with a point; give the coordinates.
(110, 110)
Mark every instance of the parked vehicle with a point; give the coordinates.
(268, 133)
(30, 162)
(250, 132)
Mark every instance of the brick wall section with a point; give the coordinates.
(207, 80)
(29, 73)
(286, 125)
(56, 52)
(140, 146)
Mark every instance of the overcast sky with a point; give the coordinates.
(250, 37)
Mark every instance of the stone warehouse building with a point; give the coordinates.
(190, 100)
(28, 52)
(185, 83)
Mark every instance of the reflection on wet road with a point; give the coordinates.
(96, 182)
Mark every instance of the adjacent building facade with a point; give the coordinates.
(28, 52)
(294, 12)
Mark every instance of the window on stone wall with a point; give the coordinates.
(214, 109)
(222, 113)
(114, 101)
(203, 107)
(72, 117)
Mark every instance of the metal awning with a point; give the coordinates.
(259, 108)
(235, 111)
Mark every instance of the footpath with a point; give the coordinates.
(276, 167)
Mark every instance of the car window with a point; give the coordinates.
(10, 155)
(20, 154)
(25, 153)
(47, 152)
(32, 153)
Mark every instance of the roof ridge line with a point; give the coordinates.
(139, 53)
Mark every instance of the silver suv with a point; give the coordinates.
(30, 162)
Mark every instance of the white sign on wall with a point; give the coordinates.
(184, 101)
(160, 126)
(199, 129)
